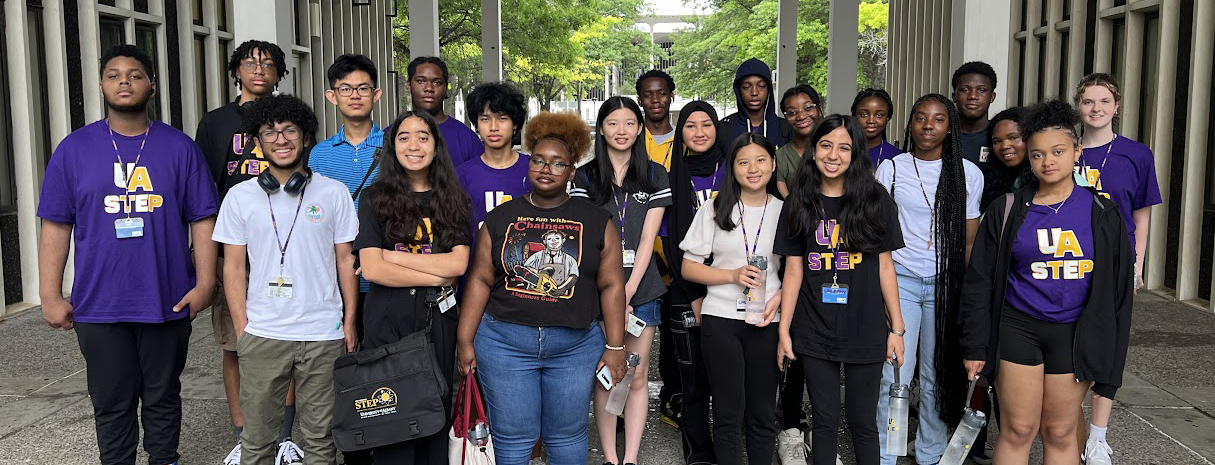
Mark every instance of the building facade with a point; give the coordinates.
(50, 65)
(1159, 50)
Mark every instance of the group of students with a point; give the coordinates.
(1010, 245)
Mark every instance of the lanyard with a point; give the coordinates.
(1097, 181)
(932, 209)
(620, 212)
(833, 243)
(712, 184)
(751, 249)
(667, 157)
(126, 174)
(282, 245)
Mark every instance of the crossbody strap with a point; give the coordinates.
(375, 161)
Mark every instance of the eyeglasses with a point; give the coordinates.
(809, 110)
(346, 91)
(271, 136)
(555, 167)
(252, 66)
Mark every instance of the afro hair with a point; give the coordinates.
(278, 109)
(568, 128)
(1052, 114)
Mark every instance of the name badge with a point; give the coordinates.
(634, 325)
(126, 228)
(983, 154)
(280, 288)
(447, 299)
(1081, 180)
(741, 303)
(835, 294)
(630, 256)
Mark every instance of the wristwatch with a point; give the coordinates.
(898, 333)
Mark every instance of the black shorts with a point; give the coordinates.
(1026, 340)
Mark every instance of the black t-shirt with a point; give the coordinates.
(854, 332)
(546, 262)
(390, 313)
(223, 144)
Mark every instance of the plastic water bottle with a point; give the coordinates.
(620, 392)
(758, 297)
(896, 429)
(964, 437)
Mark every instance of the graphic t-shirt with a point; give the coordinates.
(310, 224)
(788, 161)
(490, 187)
(1123, 171)
(223, 144)
(883, 152)
(634, 206)
(854, 332)
(1050, 272)
(705, 239)
(916, 215)
(546, 262)
(462, 143)
(136, 280)
(974, 146)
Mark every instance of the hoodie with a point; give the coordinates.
(683, 207)
(776, 129)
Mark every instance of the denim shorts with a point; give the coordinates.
(649, 312)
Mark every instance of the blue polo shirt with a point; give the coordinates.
(336, 158)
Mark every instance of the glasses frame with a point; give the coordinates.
(261, 135)
(538, 165)
(813, 108)
(347, 91)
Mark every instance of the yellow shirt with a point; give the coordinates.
(659, 153)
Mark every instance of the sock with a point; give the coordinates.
(284, 433)
(238, 430)
(1096, 433)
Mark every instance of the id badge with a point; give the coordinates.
(447, 299)
(126, 228)
(835, 294)
(741, 303)
(630, 256)
(280, 288)
(1081, 180)
(634, 325)
(983, 154)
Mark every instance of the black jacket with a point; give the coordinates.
(777, 130)
(1103, 330)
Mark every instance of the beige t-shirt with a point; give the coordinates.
(705, 239)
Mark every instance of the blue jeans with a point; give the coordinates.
(917, 299)
(649, 312)
(537, 383)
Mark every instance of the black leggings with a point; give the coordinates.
(791, 396)
(743, 376)
(861, 389)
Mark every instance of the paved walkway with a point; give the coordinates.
(1165, 413)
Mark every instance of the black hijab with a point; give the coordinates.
(683, 207)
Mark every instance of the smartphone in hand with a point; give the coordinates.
(605, 378)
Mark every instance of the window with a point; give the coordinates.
(1067, 10)
(8, 183)
(200, 74)
(1118, 50)
(145, 39)
(1022, 98)
(38, 83)
(141, 6)
(1181, 93)
(1149, 79)
(196, 12)
(225, 93)
(221, 10)
(112, 32)
(1064, 64)
(1090, 36)
(1043, 67)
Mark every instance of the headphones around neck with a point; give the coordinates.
(295, 184)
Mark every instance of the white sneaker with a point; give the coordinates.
(1097, 453)
(289, 454)
(233, 457)
(791, 447)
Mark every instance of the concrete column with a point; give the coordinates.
(272, 21)
(90, 55)
(1054, 47)
(56, 70)
(1103, 59)
(1192, 184)
(842, 53)
(190, 112)
(26, 163)
(423, 28)
(786, 47)
(1132, 76)
(491, 40)
(1075, 54)
(1033, 61)
(1170, 20)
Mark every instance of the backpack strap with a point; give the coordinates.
(1008, 204)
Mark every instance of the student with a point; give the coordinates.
(134, 327)
(937, 193)
(427, 90)
(234, 157)
(874, 109)
(547, 267)
(838, 232)
(974, 89)
(288, 311)
(1121, 170)
(1048, 332)
(500, 173)
(412, 245)
(696, 172)
(622, 180)
(736, 353)
(1009, 169)
(655, 92)
(756, 106)
(802, 107)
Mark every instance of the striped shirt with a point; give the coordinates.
(336, 158)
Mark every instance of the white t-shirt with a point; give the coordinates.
(915, 216)
(326, 217)
(705, 239)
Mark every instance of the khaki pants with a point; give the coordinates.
(267, 367)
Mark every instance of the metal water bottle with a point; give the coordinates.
(620, 392)
(479, 433)
(900, 404)
(758, 297)
(964, 437)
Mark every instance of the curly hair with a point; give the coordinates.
(501, 98)
(1103, 80)
(245, 50)
(567, 128)
(281, 108)
(1051, 114)
(656, 73)
(974, 67)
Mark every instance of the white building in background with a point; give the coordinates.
(49, 67)
(1159, 50)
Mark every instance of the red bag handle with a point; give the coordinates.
(459, 414)
(474, 389)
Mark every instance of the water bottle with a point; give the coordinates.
(620, 392)
(964, 437)
(896, 429)
(758, 297)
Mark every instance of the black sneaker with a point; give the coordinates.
(979, 456)
(671, 411)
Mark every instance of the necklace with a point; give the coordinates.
(932, 210)
(1054, 209)
(529, 200)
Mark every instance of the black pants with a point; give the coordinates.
(694, 388)
(129, 364)
(741, 362)
(791, 396)
(861, 389)
(668, 367)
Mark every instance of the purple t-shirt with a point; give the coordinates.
(883, 151)
(705, 188)
(1050, 272)
(1123, 171)
(462, 143)
(135, 280)
(490, 187)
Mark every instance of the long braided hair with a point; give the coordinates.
(949, 236)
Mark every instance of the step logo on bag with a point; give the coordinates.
(382, 402)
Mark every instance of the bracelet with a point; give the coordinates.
(898, 333)
(608, 347)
